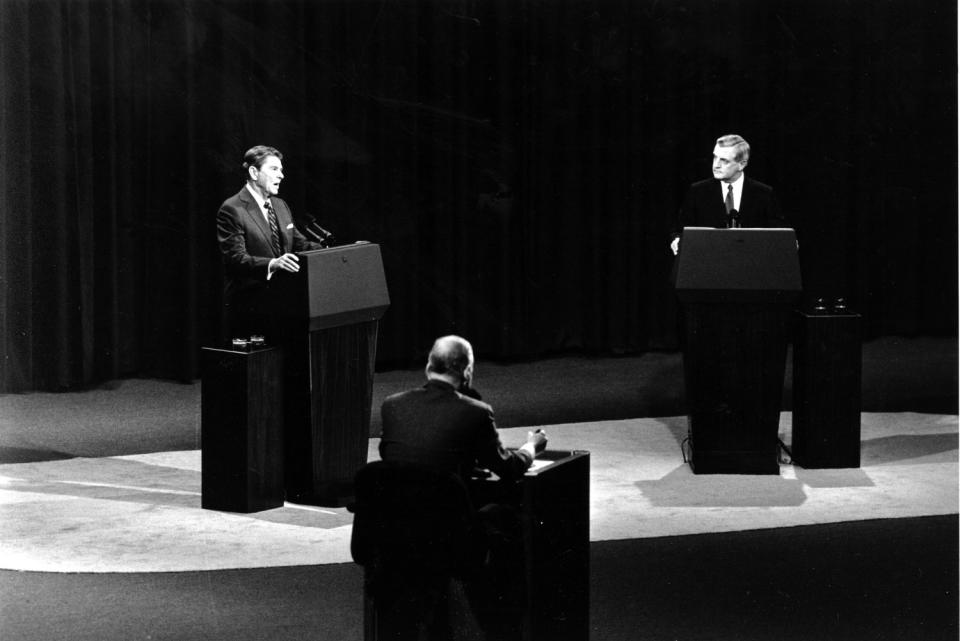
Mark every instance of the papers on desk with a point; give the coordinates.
(539, 464)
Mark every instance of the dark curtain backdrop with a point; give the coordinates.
(520, 162)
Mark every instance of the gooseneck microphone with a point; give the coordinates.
(733, 219)
(315, 232)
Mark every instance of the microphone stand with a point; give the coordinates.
(316, 233)
(733, 219)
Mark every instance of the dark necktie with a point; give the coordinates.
(732, 218)
(274, 228)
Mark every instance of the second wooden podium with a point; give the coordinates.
(737, 288)
(328, 315)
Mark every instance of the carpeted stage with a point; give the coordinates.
(102, 535)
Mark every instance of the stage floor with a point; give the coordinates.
(141, 513)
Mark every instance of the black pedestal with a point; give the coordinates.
(826, 391)
(241, 423)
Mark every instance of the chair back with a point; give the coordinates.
(411, 517)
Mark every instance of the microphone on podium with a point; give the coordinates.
(315, 232)
(733, 219)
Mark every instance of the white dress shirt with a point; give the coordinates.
(263, 210)
(737, 191)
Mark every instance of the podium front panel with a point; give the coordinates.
(553, 502)
(738, 265)
(335, 287)
(734, 361)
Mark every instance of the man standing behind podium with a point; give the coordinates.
(257, 237)
(730, 199)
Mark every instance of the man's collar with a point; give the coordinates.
(439, 382)
(257, 198)
(736, 183)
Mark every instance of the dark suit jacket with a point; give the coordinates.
(245, 248)
(437, 426)
(703, 206)
(244, 238)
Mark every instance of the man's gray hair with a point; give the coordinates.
(741, 146)
(450, 355)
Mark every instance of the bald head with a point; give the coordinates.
(451, 358)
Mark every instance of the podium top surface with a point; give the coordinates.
(550, 459)
(336, 286)
(737, 265)
(224, 349)
(546, 462)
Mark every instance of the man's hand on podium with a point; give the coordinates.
(287, 262)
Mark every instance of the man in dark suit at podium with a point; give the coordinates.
(445, 425)
(257, 237)
(730, 199)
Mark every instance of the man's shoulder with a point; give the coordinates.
(699, 192)
(752, 183)
(703, 189)
(706, 183)
(450, 397)
(474, 403)
(400, 397)
(237, 200)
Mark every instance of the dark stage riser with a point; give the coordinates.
(827, 363)
(241, 430)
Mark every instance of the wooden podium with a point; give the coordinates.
(328, 314)
(737, 288)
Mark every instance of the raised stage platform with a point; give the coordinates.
(141, 513)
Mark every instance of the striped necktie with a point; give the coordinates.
(274, 228)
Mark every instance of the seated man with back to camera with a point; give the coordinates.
(444, 424)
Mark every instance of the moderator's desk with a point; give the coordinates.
(553, 500)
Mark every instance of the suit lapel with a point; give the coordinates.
(255, 215)
(746, 199)
(719, 206)
(719, 197)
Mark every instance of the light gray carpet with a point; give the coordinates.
(141, 513)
